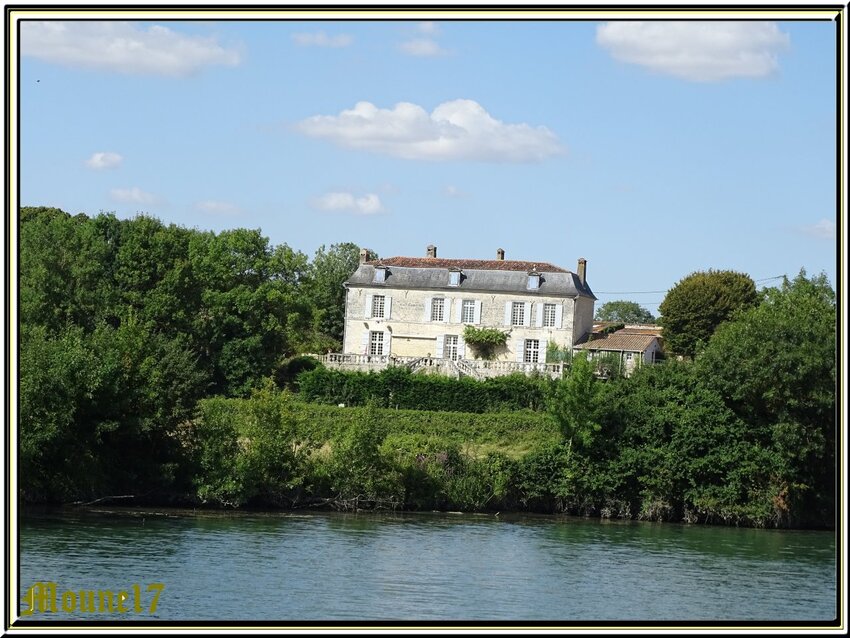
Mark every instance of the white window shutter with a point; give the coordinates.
(559, 315)
(520, 349)
(458, 310)
(364, 342)
(447, 310)
(539, 318)
(388, 306)
(388, 340)
(507, 313)
(368, 310)
(542, 356)
(441, 340)
(427, 310)
(461, 348)
(477, 318)
(527, 314)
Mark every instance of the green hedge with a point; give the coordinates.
(399, 388)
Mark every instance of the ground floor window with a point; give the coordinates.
(376, 343)
(532, 351)
(450, 347)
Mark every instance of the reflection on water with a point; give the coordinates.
(323, 566)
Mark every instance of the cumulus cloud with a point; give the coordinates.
(321, 39)
(428, 28)
(100, 161)
(123, 47)
(453, 191)
(697, 51)
(456, 130)
(824, 229)
(217, 208)
(133, 195)
(369, 204)
(423, 47)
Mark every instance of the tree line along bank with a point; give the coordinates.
(152, 359)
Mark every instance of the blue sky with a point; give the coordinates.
(653, 150)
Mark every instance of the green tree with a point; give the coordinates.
(696, 305)
(775, 365)
(624, 312)
(675, 451)
(329, 269)
(573, 404)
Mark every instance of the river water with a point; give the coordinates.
(425, 567)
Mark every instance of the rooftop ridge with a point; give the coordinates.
(473, 264)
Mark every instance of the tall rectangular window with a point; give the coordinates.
(454, 277)
(549, 315)
(450, 347)
(378, 304)
(467, 314)
(376, 343)
(437, 308)
(518, 313)
(532, 351)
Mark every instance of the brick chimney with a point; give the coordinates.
(431, 251)
(582, 270)
(364, 255)
(500, 254)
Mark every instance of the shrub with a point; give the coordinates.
(397, 387)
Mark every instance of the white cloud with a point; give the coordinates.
(369, 204)
(456, 130)
(100, 161)
(453, 191)
(123, 47)
(428, 28)
(321, 39)
(133, 195)
(423, 47)
(218, 208)
(824, 229)
(697, 51)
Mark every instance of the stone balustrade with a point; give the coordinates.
(471, 367)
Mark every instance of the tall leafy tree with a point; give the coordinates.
(775, 366)
(329, 269)
(625, 312)
(573, 404)
(699, 303)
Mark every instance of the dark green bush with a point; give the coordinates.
(399, 388)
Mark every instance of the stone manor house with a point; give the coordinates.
(412, 311)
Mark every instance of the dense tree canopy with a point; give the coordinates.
(696, 305)
(329, 269)
(775, 366)
(126, 323)
(624, 312)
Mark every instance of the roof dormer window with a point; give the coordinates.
(533, 281)
(380, 274)
(454, 278)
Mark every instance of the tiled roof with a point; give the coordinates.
(620, 340)
(470, 264)
(435, 276)
(642, 330)
(633, 329)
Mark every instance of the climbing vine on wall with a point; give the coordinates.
(484, 341)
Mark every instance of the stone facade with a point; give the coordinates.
(409, 308)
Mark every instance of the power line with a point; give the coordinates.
(657, 292)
